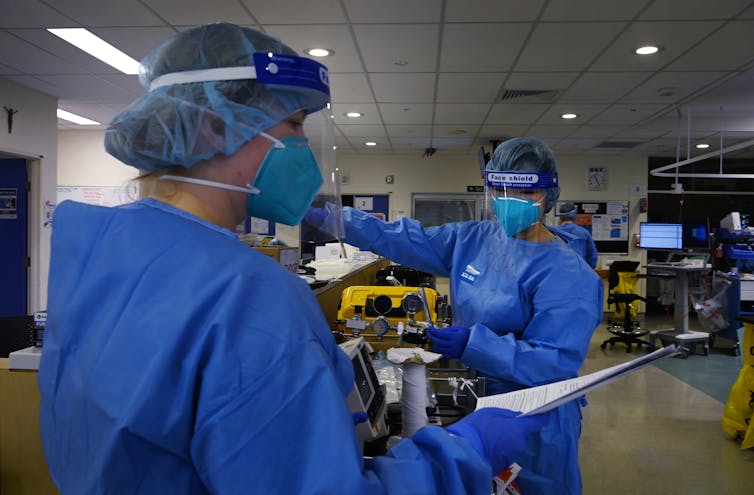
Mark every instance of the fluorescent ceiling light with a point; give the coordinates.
(76, 119)
(568, 116)
(353, 115)
(99, 48)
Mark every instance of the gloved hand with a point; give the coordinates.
(359, 417)
(316, 216)
(328, 219)
(450, 341)
(497, 434)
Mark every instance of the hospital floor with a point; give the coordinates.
(658, 431)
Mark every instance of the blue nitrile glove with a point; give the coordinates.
(450, 341)
(359, 417)
(316, 216)
(497, 434)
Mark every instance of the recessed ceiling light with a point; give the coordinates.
(354, 115)
(370, 143)
(647, 50)
(568, 116)
(97, 47)
(702, 146)
(320, 52)
(76, 119)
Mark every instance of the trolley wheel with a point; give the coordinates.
(603, 345)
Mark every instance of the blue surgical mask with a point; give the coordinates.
(287, 181)
(515, 214)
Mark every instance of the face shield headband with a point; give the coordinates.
(287, 71)
(513, 212)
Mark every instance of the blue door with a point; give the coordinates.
(13, 237)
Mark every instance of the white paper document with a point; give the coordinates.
(540, 399)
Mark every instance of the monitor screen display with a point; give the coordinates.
(695, 234)
(660, 235)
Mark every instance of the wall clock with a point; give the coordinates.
(596, 179)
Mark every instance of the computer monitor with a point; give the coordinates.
(653, 235)
(696, 234)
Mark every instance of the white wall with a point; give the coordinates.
(83, 161)
(33, 137)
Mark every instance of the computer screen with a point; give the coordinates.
(695, 234)
(660, 235)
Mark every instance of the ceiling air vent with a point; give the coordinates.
(538, 94)
(622, 145)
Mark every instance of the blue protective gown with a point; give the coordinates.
(583, 242)
(531, 308)
(179, 360)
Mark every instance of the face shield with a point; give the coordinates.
(517, 200)
(319, 129)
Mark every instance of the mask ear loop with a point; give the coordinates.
(179, 178)
(275, 141)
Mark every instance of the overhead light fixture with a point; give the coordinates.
(320, 52)
(647, 50)
(76, 119)
(354, 115)
(568, 116)
(370, 143)
(99, 48)
(702, 146)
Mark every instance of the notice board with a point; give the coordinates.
(607, 221)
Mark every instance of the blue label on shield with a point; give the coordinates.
(520, 180)
(289, 70)
(469, 275)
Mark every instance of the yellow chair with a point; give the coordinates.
(622, 292)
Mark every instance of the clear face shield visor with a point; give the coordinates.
(320, 131)
(516, 200)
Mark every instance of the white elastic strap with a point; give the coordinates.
(275, 141)
(179, 178)
(204, 75)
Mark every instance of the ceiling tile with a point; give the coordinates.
(461, 130)
(550, 131)
(349, 87)
(334, 37)
(419, 142)
(591, 10)
(135, 41)
(192, 12)
(626, 114)
(460, 113)
(492, 10)
(452, 142)
(370, 114)
(129, 13)
(515, 113)
(397, 113)
(27, 58)
(31, 14)
(382, 45)
(673, 37)
(499, 132)
(668, 10)
(481, 47)
(410, 131)
(563, 46)
(596, 132)
(366, 132)
(603, 87)
(584, 111)
(87, 88)
(403, 88)
(296, 11)
(736, 37)
(672, 87)
(392, 11)
(468, 87)
(540, 80)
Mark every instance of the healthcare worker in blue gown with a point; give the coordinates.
(582, 240)
(524, 304)
(177, 360)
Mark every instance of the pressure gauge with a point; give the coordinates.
(412, 303)
(382, 304)
(380, 326)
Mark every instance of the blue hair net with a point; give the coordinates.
(567, 211)
(182, 124)
(527, 154)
